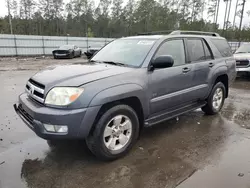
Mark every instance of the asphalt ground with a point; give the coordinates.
(191, 151)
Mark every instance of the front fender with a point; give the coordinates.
(121, 92)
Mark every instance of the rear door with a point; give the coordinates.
(203, 62)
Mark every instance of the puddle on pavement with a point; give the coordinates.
(164, 156)
(232, 171)
(238, 114)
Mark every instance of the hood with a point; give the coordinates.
(77, 74)
(242, 56)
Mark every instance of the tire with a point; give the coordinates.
(55, 57)
(211, 108)
(71, 56)
(80, 54)
(97, 143)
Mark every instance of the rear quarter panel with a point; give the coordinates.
(223, 65)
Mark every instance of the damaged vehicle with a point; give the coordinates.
(131, 83)
(67, 51)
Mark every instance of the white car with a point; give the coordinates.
(242, 57)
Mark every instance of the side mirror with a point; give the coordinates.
(163, 61)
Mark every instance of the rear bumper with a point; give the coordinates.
(34, 115)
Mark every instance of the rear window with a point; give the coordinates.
(223, 47)
(196, 50)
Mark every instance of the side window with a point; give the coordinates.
(223, 47)
(195, 50)
(207, 51)
(175, 48)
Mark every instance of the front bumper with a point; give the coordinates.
(35, 115)
(243, 69)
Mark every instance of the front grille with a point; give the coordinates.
(62, 52)
(37, 84)
(35, 90)
(242, 63)
(25, 114)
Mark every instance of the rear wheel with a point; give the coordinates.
(115, 133)
(215, 100)
(55, 57)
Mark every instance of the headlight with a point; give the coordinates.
(62, 96)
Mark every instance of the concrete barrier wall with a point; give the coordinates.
(22, 45)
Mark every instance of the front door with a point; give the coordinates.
(168, 87)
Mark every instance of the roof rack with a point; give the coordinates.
(156, 32)
(179, 32)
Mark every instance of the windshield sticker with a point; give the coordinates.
(146, 42)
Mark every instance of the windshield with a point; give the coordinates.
(66, 47)
(130, 52)
(245, 48)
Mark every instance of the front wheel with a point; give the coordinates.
(115, 133)
(215, 100)
(71, 55)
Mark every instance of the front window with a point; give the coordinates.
(245, 48)
(130, 52)
(174, 48)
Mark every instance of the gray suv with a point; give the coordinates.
(131, 83)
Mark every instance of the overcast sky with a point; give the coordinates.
(246, 21)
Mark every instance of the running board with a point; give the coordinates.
(169, 115)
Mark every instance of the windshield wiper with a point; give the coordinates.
(241, 52)
(110, 62)
(114, 63)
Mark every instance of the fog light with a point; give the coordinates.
(61, 128)
(49, 128)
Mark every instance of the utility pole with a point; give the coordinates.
(216, 5)
(236, 8)
(241, 17)
(228, 13)
(242, 13)
(10, 22)
(225, 17)
(217, 11)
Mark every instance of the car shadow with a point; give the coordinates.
(242, 82)
(164, 154)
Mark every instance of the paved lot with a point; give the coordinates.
(193, 151)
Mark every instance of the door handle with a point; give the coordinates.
(211, 64)
(186, 69)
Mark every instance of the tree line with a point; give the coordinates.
(114, 18)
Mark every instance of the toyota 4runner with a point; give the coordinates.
(131, 83)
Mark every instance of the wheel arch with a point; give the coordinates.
(132, 101)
